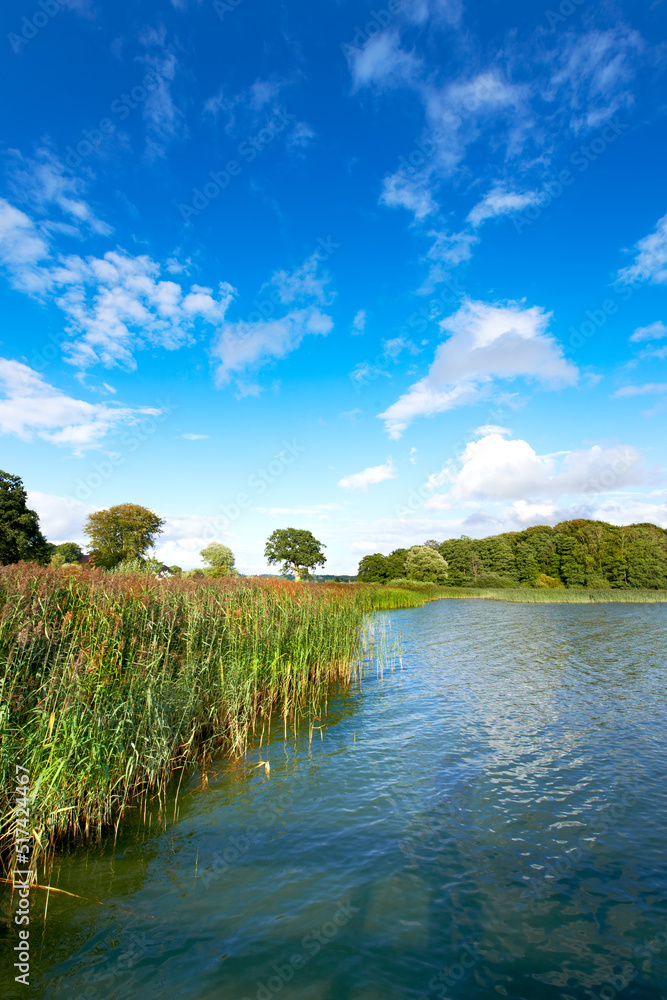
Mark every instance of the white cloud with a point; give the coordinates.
(381, 61)
(44, 181)
(244, 345)
(651, 388)
(359, 323)
(195, 437)
(500, 201)
(302, 283)
(592, 75)
(60, 518)
(249, 344)
(487, 342)
(30, 406)
(369, 477)
(494, 468)
(115, 304)
(650, 263)
(163, 119)
(655, 331)
(413, 193)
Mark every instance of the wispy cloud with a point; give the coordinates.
(650, 263)
(247, 345)
(655, 331)
(359, 323)
(31, 407)
(650, 388)
(369, 477)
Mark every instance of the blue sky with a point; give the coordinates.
(387, 273)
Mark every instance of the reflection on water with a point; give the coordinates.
(489, 821)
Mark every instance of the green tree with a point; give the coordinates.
(374, 568)
(121, 533)
(297, 550)
(66, 553)
(220, 557)
(20, 535)
(426, 565)
(396, 563)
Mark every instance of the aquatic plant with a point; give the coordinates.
(109, 683)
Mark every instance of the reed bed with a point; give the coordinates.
(528, 595)
(110, 684)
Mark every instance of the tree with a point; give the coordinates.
(396, 563)
(425, 565)
(121, 533)
(374, 568)
(66, 553)
(20, 535)
(296, 548)
(219, 556)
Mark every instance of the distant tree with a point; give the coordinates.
(121, 533)
(20, 535)
(297, 550)
(218, 556)
(432, 544)
(66, 553)
(396, 563)
(425, 565)
(374, 569)
(176, 571)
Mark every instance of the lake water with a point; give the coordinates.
(487, 820)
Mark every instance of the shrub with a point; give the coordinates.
(547, 581)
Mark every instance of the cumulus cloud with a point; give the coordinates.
(115, 304)
(60, 518)
(495, 468)
(486, 343)
(31, 407)
(369, 477)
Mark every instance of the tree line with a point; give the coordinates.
(121, 537)
(577, 553)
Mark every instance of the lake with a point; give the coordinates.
(486, 819)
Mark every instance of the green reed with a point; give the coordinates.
(109, 683)
(573, 595)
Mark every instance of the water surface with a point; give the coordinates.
(487, 820)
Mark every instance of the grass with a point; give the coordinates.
(545, 595)
(109, 684)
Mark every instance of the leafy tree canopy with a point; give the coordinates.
(297, 550)
(425, 564)
(219, 556)
(67, 552)
(20, 535)
(121, 533)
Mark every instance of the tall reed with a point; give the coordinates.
(108, 684)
